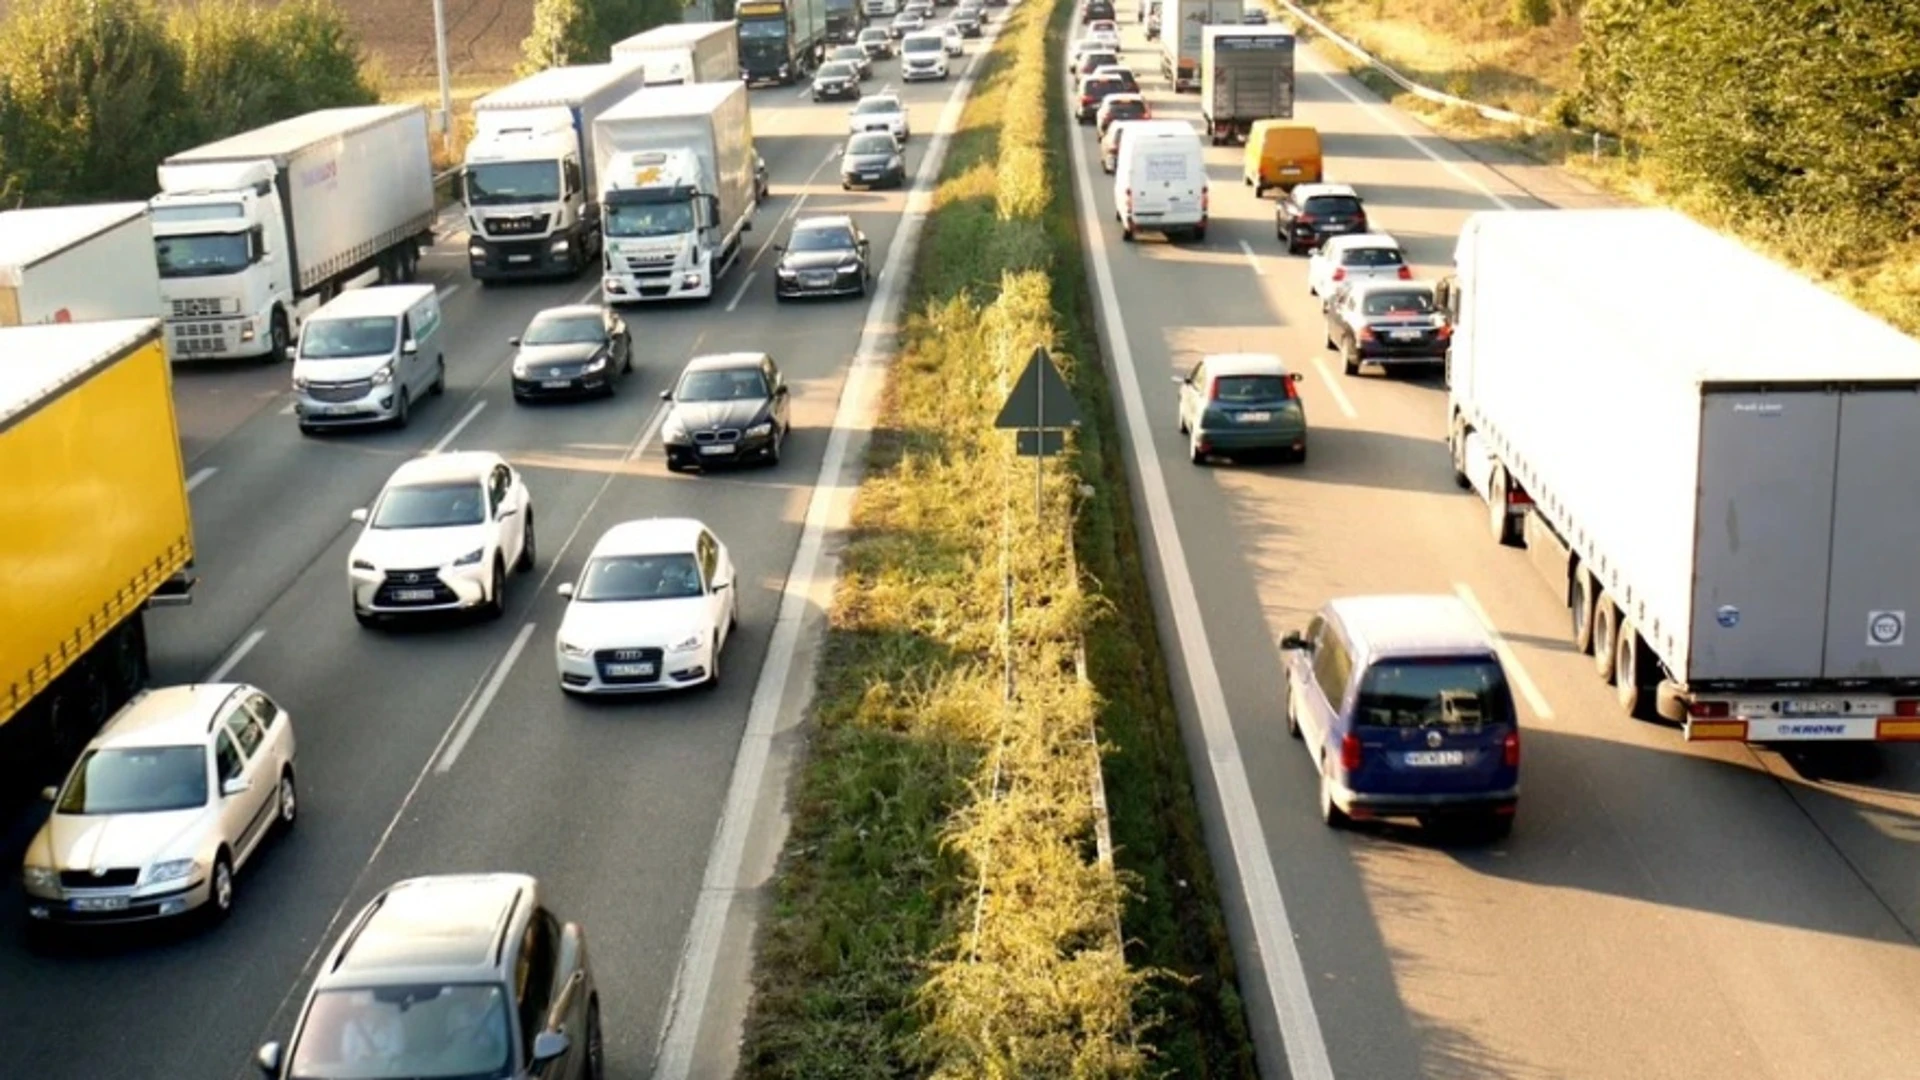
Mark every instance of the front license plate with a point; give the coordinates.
(1255, 417)
(629, 671)
(1429, 759)
(1405, 335)
(725, 448)
(413, 594)
(519, 258)
(335, 410)
(99, 903)
(557, 384)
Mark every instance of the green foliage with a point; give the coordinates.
(567, 32)
(246, 66)
(1531, 12)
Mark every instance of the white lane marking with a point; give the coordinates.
(806, 585)
(1384, 118)
(448, 290)
(741, 292)
(287, 410)
(1277, 958)
(647, 433)
(464, 729)
(455, 431)
(202, 477)
(1333, 387)
(239, 653)
(1516, 671)
(590, 295)
(792, 210)
(1253, 260)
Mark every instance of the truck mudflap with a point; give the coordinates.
(1841, 718)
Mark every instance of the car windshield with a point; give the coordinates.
(649, 219)
(822, 238)
(431, 506)
(922, 44)
(1332, 206)
(427, 1031)
(876, 36)
(876, 105)
(1449, 691)
(836, 70)
(201, 256)
(567, 330)
(737, 384)
(1097, 60)
(850, 52)
(1371, 257)
(871, 144)
(335, 339)
(137, 780)
(1400, 302)
(508, 182)
(624, 578)
(1246, 389)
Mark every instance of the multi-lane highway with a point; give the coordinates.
(449, 747)
(1661, 910)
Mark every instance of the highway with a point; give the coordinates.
(1662, 910)
(449, 747)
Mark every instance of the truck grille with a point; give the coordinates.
(116, 878)
(195, 337)
(606, 657)
(518, 225)
(340, 391)
(196, 309)
(398, 581)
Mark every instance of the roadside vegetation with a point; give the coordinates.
(1791, 124)
(941, 910)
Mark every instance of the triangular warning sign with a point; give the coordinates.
(1040, 398)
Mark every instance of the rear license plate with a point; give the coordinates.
(1429, 759)
(1289, 172)
(724, 448)
(1255, 417)
(413, 594)
(557, 384)
(629, 671)
(99, 903)
(519, 258)
(1812, 708)
(1406, 335)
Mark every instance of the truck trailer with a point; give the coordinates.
(683, 53)
(781, 41)
(77, 264)
(676, 167)
(528, 180)
(98, 533)
(1246, 74)
(1182, 39)
(1710, 458)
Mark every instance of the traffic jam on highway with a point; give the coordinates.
(1719, 517)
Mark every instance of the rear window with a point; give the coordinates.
(1122, 109)
(1446, 692)
(1238, 389)
(1333, 205)
(1371, 257)
(1407, 302)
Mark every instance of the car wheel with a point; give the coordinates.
(287, 800)
(440, 378)
(1331, 347)
(773, 451)
(596, 1043)
(1351, 360)
(365, 618)
(403, 410)
(1330, 813)
(1194, 453)
(527, 549)
(220, 889)
(496, 605)
(1293, 720)
(713, 668)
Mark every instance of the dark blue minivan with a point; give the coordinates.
(1404, 707)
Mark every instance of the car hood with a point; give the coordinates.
(816, 260)
(418, 549)
(86, 841)
(709, 415)
(637, 624)
(344, 369)
(834, 82)
(534, 355)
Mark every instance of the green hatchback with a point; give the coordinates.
(1240, 404)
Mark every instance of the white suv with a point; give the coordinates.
(923, 55)
(441, 537)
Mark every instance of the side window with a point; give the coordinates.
(533, 982)
(263, 710)
(406, 328)
(1197, 378)
(498, 484)
(709, 557)
(1332, 666)
(245, 730)
(227, 758)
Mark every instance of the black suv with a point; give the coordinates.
(1306, 216)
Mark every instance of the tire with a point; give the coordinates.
(403, 410)
(286, 801)
(1331, 347)
(1632, 686)
(1457, 449)
(1293, 722)
(1200, 235)
(596, 1043)
(280, 335)
(220, 890)
(713, 671)
(440, 379)
(528, 551)
(1300, 455)
(1330, 813)
(1350, 358)
(1581, 593)
(1495, 827)
(1606, 627)
(1505, 532)
(774, 451)
(496, 604)
(1194, 454)
(1126, 230)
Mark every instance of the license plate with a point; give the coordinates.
(335, 410)
(816, 279)
(1289, 172)
(1255, 417)
(724, 448)
(557, 384)
(869, 176)
(1334, 226)
(99, 903)
(519, 258)
(413, 594)
(1406, 335)
(629, 671)
(1428, 759)
(1812, 708)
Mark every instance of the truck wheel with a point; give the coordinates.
(1633, 682)
(1606, 628)
(1457, 447)
(1505, 530)
(1581, 594)
(279, 334)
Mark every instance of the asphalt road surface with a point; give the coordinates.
(1662, 910)
(450, 748)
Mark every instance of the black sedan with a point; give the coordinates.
(823, 256)
(725, 410)
(571, 351)
(855, 55)
(838, 80)
(967, 22)
(1387, 323)
(872, 160)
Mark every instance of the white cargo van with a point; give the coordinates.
(1160, 180)
(367, 356)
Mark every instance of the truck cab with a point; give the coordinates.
(219, 238)
(661, 215)
(528, 211)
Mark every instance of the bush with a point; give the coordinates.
(245, 67)
(567, 32)
(1532, 12)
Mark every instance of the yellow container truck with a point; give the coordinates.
(98, 532)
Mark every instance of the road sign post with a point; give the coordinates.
(1039, 410)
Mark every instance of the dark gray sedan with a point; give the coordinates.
(1387, 323)
(571, 351)
(872, 160)
(836, 81)
(823, 256)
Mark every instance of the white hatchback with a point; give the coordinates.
(1356, 257)
(879, 112)
(653, 610)
(441, 537)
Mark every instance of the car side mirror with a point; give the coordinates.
(779, 247)
(549, 1045)
(1297, 376)
(666, 395)
(238, 785)
(49, 793)
(268, 1059)
(1293, 640)
(723, 584)
(410, 347)
(359, 515)
(565, 590)
(514, 341)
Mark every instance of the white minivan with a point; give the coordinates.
(367, 356)
(1160, 180)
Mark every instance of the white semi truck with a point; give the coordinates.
(528, 180)
(251, 230)
(1712, 460)
(676, 167)
(1182, 36)
(88, 263)
(684, 53)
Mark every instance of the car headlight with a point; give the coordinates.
(894, 162)
(560, 245)
(765, 427)
(595, 364)
(299, 382)
(470, 557)
(784, 272)
(673, 431)
(568, 648)
(43, 877)
(475, 251)
(688, 645)
(519, 367)
(383, 376)
(362, 564)
(170, 870)
(850, 268)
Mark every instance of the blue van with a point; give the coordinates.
(1404, 706)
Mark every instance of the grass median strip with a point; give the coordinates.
(940, 909)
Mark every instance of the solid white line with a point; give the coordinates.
(239, 653)
(647, 433)
(592, 294)
(200, 477)
(458, 428)
(1382, 116)
(480, 704)
(792, 209)
(1252, 259)
(448, 290)
(807, 585)
(1516, 671)
(1277, 955)
(1333, 387)
(287, 410)
(740, 293)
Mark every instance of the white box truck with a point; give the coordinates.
(1246, 74)
(1711, 458)
(527, 180)
(1181, 39)
(77, 264)
(684, 53)
(676, 168)
(256, 229)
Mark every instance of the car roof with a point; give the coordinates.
(1410, 624)
(891, 99)
(440, 468)
(725, 361)
(569, 311)
(1363, 240)
(447, 926)
(167, 716)
(1230, 364)
(650, 536)
(1122, 98)
(826, 221)
(374, 300)
(1367, 286)
(1307, 191)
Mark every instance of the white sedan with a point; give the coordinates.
(1354, 257)
(441, 537)
(879, 112)
(956, 41)
(653, 610)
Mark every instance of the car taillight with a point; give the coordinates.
(1709, 710)
(1339, 273)
(1293, 391)
(1406, 272)
(1360, 223)
(1349, 752)
(1213, 392)
(1511, 749)
(1908, 707)
(1366, 333)
(1305, 219)
(1205, 194)
(1129, 199)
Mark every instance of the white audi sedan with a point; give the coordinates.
(441, 536)
(653, 610)
(879, 112)
(173, 796)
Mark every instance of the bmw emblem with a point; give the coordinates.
(1434, 739)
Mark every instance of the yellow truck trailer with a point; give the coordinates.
(99, 530)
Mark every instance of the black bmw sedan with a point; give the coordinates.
(725, 409)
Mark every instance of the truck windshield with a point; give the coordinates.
(335, 339)
(763, 29)
(201, 256)
(506, 182)
(649, 219)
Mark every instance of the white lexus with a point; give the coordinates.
(652, 611)
(441, 536)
